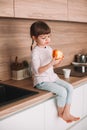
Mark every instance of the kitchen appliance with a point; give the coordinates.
(80, 63)
(80, 67)
(10, 94)
(74, 71)
(80, 58)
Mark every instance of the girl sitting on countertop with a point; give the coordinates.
(43, 64)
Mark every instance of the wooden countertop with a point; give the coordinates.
(17, 106)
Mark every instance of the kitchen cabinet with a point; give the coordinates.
(6, 8)
(52, 122)
(77, 10)
(41, 9)
(77, 102)
(29, 119)
(85, 97)
(64, 10)
(44, 116)
(51, 116)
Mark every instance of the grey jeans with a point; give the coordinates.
(61, 88)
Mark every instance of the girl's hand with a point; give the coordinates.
(58, 61)
(55, 63)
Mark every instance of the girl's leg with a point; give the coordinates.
(69, 88)
(61, 95)
(56, 89)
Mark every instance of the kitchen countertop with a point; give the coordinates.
(17, 106)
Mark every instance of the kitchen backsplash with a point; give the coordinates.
(69, 37)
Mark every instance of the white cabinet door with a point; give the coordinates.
(52, 121)
(85, 99)
(82, 125)
(29, 119)
(77, 102)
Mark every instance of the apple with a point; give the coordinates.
(57, 54)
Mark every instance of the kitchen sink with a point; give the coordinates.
(10, 94)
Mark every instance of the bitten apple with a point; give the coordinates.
(57, 54)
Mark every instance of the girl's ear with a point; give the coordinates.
(34, 38)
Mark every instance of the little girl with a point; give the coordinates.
(43, 64)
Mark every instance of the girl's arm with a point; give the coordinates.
(45, 67)
(54, 63)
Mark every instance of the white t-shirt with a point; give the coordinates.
(40, 57)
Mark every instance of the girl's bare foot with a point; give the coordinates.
(68, 121)
(69, 118)
(65, 119)
(64, 113)
(74, 118)
(60, 115)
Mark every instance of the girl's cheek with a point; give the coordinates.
(49, 40)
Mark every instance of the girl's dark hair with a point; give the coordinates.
(39, 28)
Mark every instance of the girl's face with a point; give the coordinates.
(43, 40)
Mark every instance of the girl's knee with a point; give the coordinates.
(63, 93)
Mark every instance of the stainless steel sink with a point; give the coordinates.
(10, 94)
